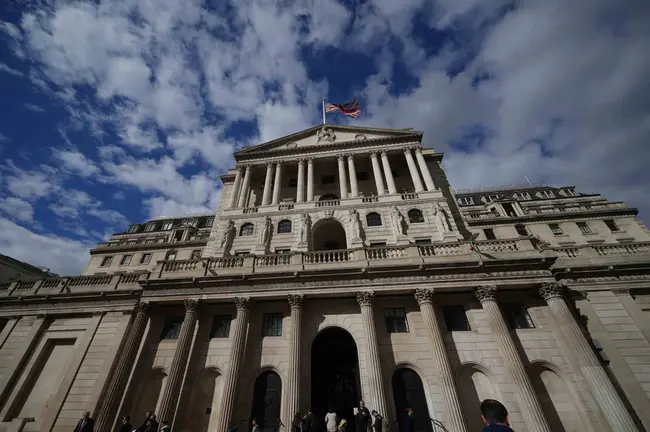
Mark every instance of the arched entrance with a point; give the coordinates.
(329, 234)
(266, 401)
(334, 375)
(409, 393)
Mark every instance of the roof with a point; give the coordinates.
(27, 266)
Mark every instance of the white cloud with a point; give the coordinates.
(4, 138)
(30, 184)
(17, 209)
(9, 70)
(75, 161)
(34, 108)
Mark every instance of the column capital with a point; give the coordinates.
(383, 152)
(245, 165)
(310, 159)
(374, 153)
(191, 306)
(407, 150)
(418, 149)
(349, 155)
(424, 295)
(341, 156)
(485, 293)
(296, 300)
(549, 290)
(242, 303)
(278, 162)
(364, 298)
(269, 164)
(142, 307)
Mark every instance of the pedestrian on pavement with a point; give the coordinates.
(495, 416)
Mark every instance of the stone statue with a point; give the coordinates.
(305, 225)
(326, 136)
(355, 223)
(228, 236)
(441, 218)
(265, 232)
(397, 221)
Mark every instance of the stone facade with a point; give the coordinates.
(534, 295)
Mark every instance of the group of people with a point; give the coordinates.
(150, 424)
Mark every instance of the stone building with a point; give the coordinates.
(340, 266)
(12, 269)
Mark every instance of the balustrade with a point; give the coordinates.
(370, 199)
(89, 280)
(328, 203)
(181, 265)
(4, 286)
(25, 285)
(441, 250)
(622, 249)
(410, 196)
(569, 252)
(225, 263)
(250, 210)
(272, 260)
(386, 253)
(322, 257)
(497, 246)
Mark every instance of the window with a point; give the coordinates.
(209, 221)
(455, 318)
(373, 219)
(272, 324)
(178, 236)
(611, 225)
(150, 227)
(196, 254)
(555, 229)
(126, 260)
(220, 326)
(546, 194)
(284, 226)
(293, 182)
(396, 320)
(423, 241)
(489, 234)
(509, 209)
(489, 198)
(167, 225)
(146, 258)
(150, 241)
(242, 254)
(106, 261)
(517, 316)
(521, 230)
(522, 196)
(133, 228)
(466, 201)
(570, 192)
(362, 176)
(377, 244)
(172, 328)
(282, 251)
(171, 255)
(584, 228)
(415, 216)
(327, 179)
(246, 229)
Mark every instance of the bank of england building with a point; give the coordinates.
(341, 265)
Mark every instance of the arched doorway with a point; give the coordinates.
(409, 393)
(266, 401)
(328, 197)
(329, 234)
(334, 375)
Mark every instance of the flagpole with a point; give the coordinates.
(323, 110)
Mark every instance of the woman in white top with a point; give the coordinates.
(331, 421)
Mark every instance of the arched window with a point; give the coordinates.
(246, 229)
(328, 197)
(284, 226)
(415, 216)
(373, 219)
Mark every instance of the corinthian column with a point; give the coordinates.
(266, 195)
(389, 174)
(415, 176)
(526, 396)
(343, 181)
(602, 388)
(235, 189)
(424, 168)
(115, 389)
(310, 179)
(293, 382)
(300, 190)
(375, 378)
(376, 170)
(243, 193)
(277, 184)
(172, 391)
(236, 355)
(457, 423)
(354, 185)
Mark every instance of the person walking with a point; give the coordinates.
(145, 424)
(164, 426)
(308, 421)
(126, 425)
(86, 424)
(152, 424)
(363, 417)
(296, 423)
(408, 425)
(256, 427)
(331, 420)
(495, 416)
(377, 421)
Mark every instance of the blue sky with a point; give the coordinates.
(117, 111)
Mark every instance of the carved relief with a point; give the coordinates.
(242, 303)
(228, 237)
(305, 228)
(549, 290)
(326, 136)
(142, 307)
(296, 300)
(397, 221)
(424, 295)
(191, 306)
(442, 221)
(364, 298)
(485, 293)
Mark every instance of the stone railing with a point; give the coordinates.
(382, 253)
(622, 249)
(410, 196)
(285, 207)
(225, 263)
(492, 246)
(328, 203)
(181, 265)
(273, 260)
(370, 199)
(250, 210)
(443, 249)
(602, 251)
(333, 256)
(71, 285)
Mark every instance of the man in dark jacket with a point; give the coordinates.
(308, 421)
(495, 416)
(408, 424)
(363, 417)
(145, 424)
(126, 425)
(86, 424)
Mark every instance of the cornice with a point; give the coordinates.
(549, 217)
(148, 246)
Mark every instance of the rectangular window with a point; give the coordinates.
(293, 182)
(571, 192)
(272, 324)
(126, 260)
(362, 176)
(196, 254)
(491, 197)
(509, 209)
(172, 328)
(282, 251)
(146, 258)
(242, 254)
(466, 201)
(150, 227)
(455, 318)
(396, 320)
(555, 229)
(171, 256)
(209, 221)
(522, 196)
(220, 326)
(611, 225)
(521, 230)
(517, 316)
(106, 261)
(167, 225)
(546, 194)
(377, 244)
(133, 228)
(423, 241)
(178, 236)
(584, 228)
(489, 234)
(327, 179)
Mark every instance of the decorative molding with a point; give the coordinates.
(621, 291)
(549, 290)
(485, 293)
(364, 298)
(424, 295)
(142, 307)
(191, 306)
(296, 300)
(242, 303)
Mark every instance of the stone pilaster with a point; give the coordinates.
(375, 378)
(277, 184)
(293, 381)
(343, 181)
(424, 168)
(603, 389)
(388, 173)
(376, 170)
(117, 384)
(415, 176)
(524, 390)
(440, 359)
(243, 194)
(234, 362)
(235, 189)
(172, 391)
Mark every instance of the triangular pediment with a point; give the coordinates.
(323, 135)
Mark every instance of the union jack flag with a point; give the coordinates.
(349, 109)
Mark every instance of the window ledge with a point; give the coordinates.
(595, 241)
(589, 233)
(561, 235)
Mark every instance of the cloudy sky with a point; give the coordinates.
(121, 110)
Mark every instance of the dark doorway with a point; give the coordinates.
(335, 375)
(329, 234)
(266, 401)
(409, 393)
